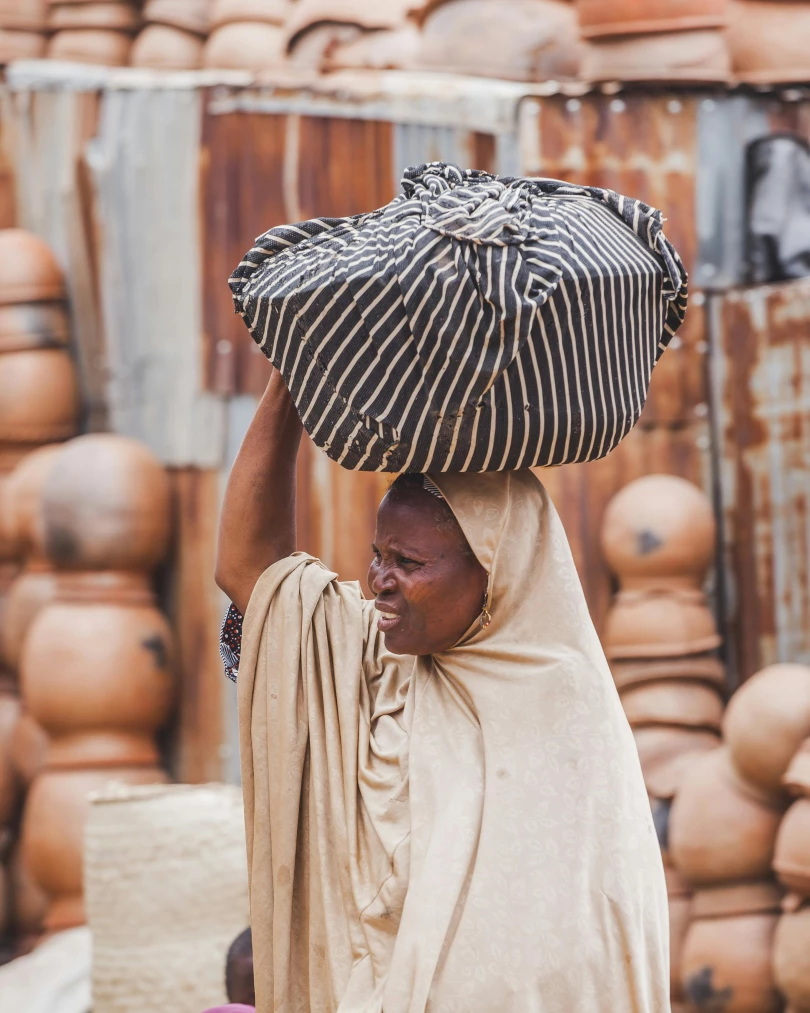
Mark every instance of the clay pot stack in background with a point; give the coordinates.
(93, 31)
(96, 664)
(22, 29)
(769, 41)
(246, 34)
(174, 35)
(654, 40)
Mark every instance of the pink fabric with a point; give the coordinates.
(234, 1007)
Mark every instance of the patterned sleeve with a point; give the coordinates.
(230, 642)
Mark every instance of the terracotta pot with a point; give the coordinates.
(40, 400)
(688, 57)
(797, 776)
(104, 14)
(29, 748)
(667, 753)
(659, 625)
(766, 721)
(29, 271)
(24, 15)
(23, 520)
(701, 667)
(97, 46)
(791, 958)
(756, 897)
(718, 834)
(397, 49)
(16, 45)
(599, 18)
(97, 677)
(165, 48)
(107, 506)
(671, 702)
(225, 12)
(29, 902)
(679, 917)
(726, 964)
(188, 15)
(792, 855)
(33, 325)
(245, 45)
(9, 785)
(53, 831)
(769, 41)
(523, 40)
(35, 588)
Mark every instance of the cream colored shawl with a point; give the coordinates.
(462, 833)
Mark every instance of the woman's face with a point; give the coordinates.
(428, 585)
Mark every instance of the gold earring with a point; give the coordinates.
(486, 617)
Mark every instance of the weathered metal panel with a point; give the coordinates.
(764, 381)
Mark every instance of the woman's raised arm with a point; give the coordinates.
(258, 516)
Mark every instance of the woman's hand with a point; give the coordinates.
(257, 526)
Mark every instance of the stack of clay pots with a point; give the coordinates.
(22, 29)
(174, 35)
(95, 671)
(92, 31)
(655, 40)
(246, 34)
(769, 40)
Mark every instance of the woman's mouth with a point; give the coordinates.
(387, 621)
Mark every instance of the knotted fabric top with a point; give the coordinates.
(475, 323)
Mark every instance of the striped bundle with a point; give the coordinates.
(475, 323)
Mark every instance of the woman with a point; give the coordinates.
(444, 805)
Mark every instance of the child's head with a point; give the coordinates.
(239, 970)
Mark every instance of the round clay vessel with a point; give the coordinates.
(797, 776)
(9, 785)
(672, 702)
(396, 49)
(40, 400)
(23, 15)
(29, 748)
(754, 897)
(117, 16)
(97, 677)
(17, 45)
(107, 506)
(33, 325)
(22, 502)
(769, 41)
(598, 18)
(97, 46)
(29, 902)
(791, 957)
(700, 667)
(659, 625)
(726, 964)
(225, 12)
(165, 48)
(688, 57)
(35, 588)
(765, 723)
(53, 833)
(679, 917)
(189, 15)
(667, 753)
(244, 45)
(29, 271)
(791, 860)
(717, 833)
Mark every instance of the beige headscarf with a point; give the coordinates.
(462, 833)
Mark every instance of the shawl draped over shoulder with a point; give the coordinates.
(462, 833)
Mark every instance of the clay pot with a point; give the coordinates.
(28, 269)
(659, 625)
(23, 15)
(29, 902)
(165, 48)
(97, 677)
(9, 785)
(756, 897)
(29, 748)
(769, 41)
(33, 325)
(679, 917)
(225, 12)
(667, 753)
(105, 48)
(40, 400)
(23, 518)
(16, 45)
(35, 588)
(689, 57)
(703, 668)
(672, 702)
(107, 506)
(122, 17)
(726, 964)
(53, 831)
(717, 833)
(188, 15)
(254, 46)
(766, 721)
(598, 18)
(791, 957)
(523, 40)
(384, 50)
(797, 776)
(791, 860)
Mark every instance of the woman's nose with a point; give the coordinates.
(382, 579)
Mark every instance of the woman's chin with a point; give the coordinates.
(398, 643)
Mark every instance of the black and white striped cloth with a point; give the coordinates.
(475, 323)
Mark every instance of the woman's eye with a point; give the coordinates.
(408, 562)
